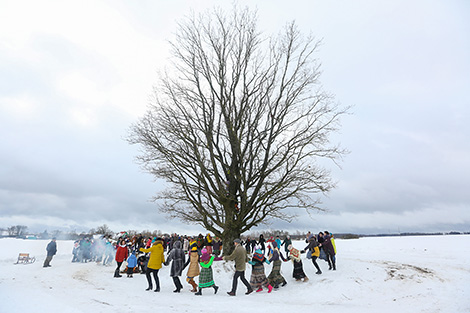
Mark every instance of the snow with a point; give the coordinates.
(375, 274)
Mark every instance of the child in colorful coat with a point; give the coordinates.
(206, 277)
(258, 277)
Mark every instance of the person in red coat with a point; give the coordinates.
(121, 254)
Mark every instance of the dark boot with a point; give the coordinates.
(116, 273)
(177, 283)
(216, 288)
(199, 292)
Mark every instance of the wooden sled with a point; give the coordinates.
(24, 258)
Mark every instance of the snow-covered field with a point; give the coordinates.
(386, 274)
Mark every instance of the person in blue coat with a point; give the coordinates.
(131, 264)
(51, 251)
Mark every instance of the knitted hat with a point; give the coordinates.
(205, 256)
(237, 240)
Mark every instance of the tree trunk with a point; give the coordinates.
(228, 236)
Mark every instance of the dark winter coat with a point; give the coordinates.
(313, 247)
(261, 242)
(217, 244)
(177, 256)
(248, 245)
(51, 248)
(312, 243)
(328, 246)
(286, 243)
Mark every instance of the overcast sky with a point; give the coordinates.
(74, 75)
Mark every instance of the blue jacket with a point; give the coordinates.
(132, 261)
(51, 248)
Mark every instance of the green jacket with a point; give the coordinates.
(240, 257)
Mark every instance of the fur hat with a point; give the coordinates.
(237, 241)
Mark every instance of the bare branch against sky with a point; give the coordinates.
(70, 89)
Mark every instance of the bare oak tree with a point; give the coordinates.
(238, 126)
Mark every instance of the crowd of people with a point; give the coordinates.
(147, 255)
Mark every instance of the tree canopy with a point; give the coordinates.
(237, 125)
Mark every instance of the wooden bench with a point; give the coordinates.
(24, 258)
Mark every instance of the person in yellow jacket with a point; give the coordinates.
(314, 251)
(157, 258)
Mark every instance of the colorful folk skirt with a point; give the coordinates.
(258, 278)
(206, 279)
(275, 278)
(298, 270)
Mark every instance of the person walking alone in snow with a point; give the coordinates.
(51, 251)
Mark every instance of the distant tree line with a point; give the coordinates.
(21, 231)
